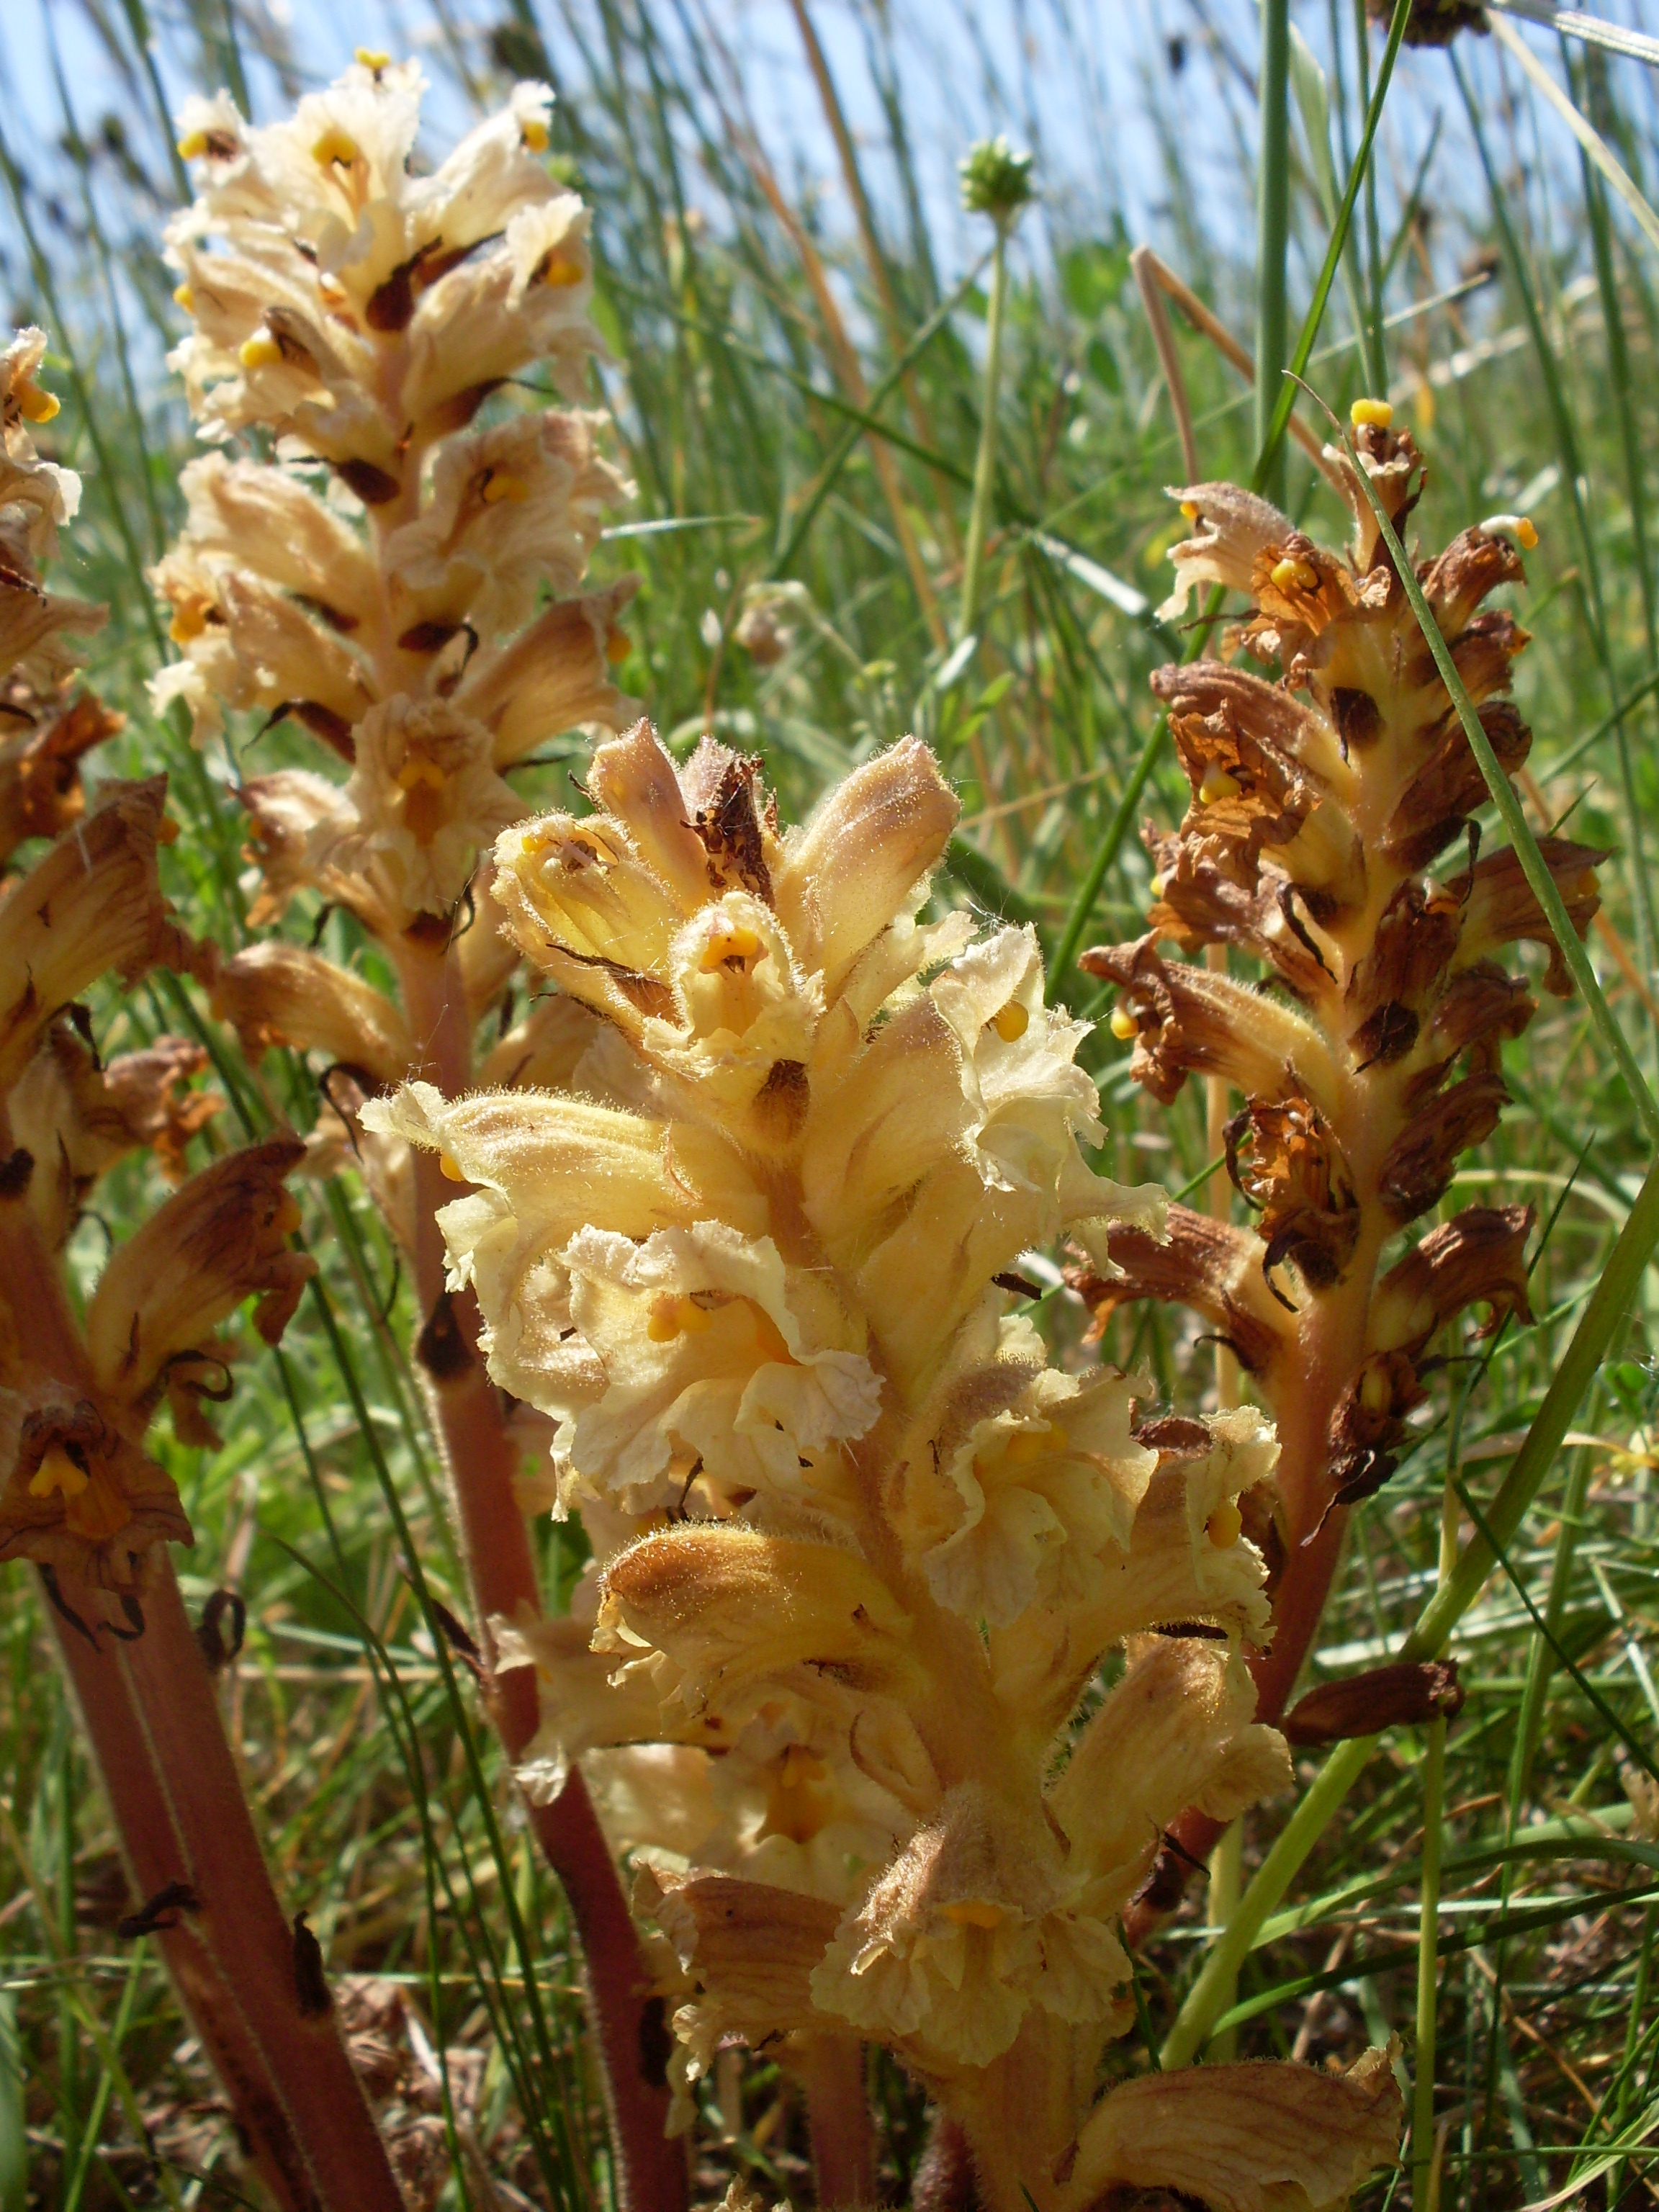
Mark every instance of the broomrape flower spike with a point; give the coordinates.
(1331, 839)
(859, 1547)
(377, 583)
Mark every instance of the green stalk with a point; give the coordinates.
(1425, 2191)
(1376, 360)
(1273, 211)
(985, 460)
(1621, 1277)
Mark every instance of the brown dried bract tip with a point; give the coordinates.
(1403, 1696)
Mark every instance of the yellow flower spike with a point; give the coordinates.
(260, 351)
(335, 145)
(499, 485)
(1225, 1525)
(1010, 1022)
(1216, 784)
(56, 1472)
(1123, 1024)
(974, 1913)
(1291, 573)
(1370, 414)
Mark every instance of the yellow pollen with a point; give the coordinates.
(617, 646)
(1225, 1525)
(1011, 1021)
(535, 135)
(1216, 784)
(57, 1471)
(335, 145)
(451, 1168)
(1370, 414)
(1292, 572)
(560, 270)
(286, 1219)
(33, 405)
(192, 147)
(189, 621)
(1123, 1024)
(498, 486)
(726, 944)
(974, 1913)
(371, 59)
(185, 296)
(260, 351)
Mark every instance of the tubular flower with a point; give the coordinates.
(376, 583)
(858, 1547)
(1321, 804)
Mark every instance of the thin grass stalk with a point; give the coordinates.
(1272, 234)
(1424, 2190)
(985, 457)
(1374, 347)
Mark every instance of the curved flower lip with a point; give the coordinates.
(714, 1611)
(42, 494)
(750, 1946)
(1209, 1265)
(40, 790)
(277, 993)
(1234, 528)
(220, 1238)
(92, 903)
(1242, 2137)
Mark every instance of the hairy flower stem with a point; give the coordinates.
(495, 1545)
(176, 1799)
(838, 2119)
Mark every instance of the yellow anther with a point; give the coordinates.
(189, 621)
(535, 135)
(1189, 509)
(1519, 525)
(57, 1471)
(419, 773)
(1370, 414)
(974, 1913)
(1157, 886)
(1216, 784)
(726, 943)
(1293, 575)
(671, 1316)
(335, 145)
(193, 146)
(498, 486)
(1010, 1022)
(1225, 1525)
(451, 1168)
(260, 351)
(372, 60)
(1585, 886)
(1525, 532)
(33, 405)
(617, 646)
(1023, 1447)
(693, 1318)
(559, 269)
(185, 296)
(1123, 1024)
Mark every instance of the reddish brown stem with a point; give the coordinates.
(149, 1713)
(151, 1718)
(495, 1545)
(838, 2117)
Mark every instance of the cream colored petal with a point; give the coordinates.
(1261, 2136)
(749, 1949)
(277, 993)
(1232, 527)
(555, 677)
(632, 778)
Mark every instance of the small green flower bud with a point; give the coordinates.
(995, 180)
